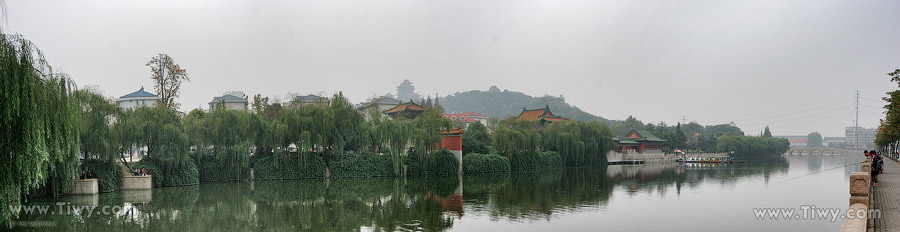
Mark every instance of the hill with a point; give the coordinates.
(503, 104)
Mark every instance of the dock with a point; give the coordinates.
(620, 162)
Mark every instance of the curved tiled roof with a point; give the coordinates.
(539, 114)
(411, 106)
(139, 93)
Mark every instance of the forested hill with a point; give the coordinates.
(503, 104)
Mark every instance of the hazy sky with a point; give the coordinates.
(792, 65)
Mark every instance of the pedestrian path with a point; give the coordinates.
(887, 198)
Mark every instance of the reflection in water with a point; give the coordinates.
(390, 204)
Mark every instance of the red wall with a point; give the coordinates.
(453, 143)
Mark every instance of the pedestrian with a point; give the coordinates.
(877, 166)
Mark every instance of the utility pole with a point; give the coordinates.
(856, 126)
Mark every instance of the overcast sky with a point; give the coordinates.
(792, 65)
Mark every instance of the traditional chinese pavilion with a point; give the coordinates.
(639, 141)
(409, 110)
(543, 115)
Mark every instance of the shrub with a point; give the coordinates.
(546, 159)
(109, 175)
(230, 165)
(170, 173)
(438, 163)
(361, 165)
(489, 163)
(287, 166)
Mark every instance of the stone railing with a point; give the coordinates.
(860, 194)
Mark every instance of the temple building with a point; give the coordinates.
(543, 115)
(409, 110)
(639, 141)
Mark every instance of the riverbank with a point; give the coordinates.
(657, 156)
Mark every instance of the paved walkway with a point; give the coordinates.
(887, 198)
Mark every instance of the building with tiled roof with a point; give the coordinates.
(409, 110)
(234, 100)
(639, 141)
(137, 99)
(467, 118)
(379, 104)
(309, 100)
(543, 115)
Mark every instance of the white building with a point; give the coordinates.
(136, 99)
(860, 138)
(300, 101)
(467, 118)
(233, 100)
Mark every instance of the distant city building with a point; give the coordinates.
(137, 99)
(860, 138)
(234, 100)
(379, 104)
(309, 100)
(639, 141)
(543, 115)
(834, 142)
(409, 110)
(467, 118)
(797, 141)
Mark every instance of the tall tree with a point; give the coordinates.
(406, 92)
(167, 77)
(679, 139)
(38, 121)
(814, 140)
(767, 133)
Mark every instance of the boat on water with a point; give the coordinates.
(705, 160)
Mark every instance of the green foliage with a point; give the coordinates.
(361, 165)
(502, 104)
(167, 146)
(96, 136)
(578, 143)
(287, 166)
(222, 140)
(621, 128)
(40, 128)
(169, 173)
(167, 77)
(889, 131)
(436, 163)
(753, 146)
(476, 139)
(514, 138)
(814, 139)
(109, 174)
(485, 163)
(538, 160)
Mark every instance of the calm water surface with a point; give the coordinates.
(651, 197)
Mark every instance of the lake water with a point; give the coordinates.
(650, 197)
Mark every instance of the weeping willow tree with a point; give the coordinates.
(221, 139)
(98, 144)
(516, 138)
(579, 143)
(40, 124)
(158, 133)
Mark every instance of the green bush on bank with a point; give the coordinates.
(545, 159)
(485, 163)
(109, 175)
(442, 162)
(288, 166)
(361, 165)
(176, 173)
(228, 166)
